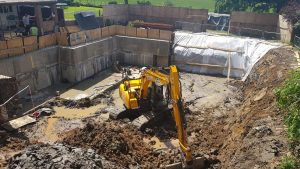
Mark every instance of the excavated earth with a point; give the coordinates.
(232, 124)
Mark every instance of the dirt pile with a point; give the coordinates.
(121, 144)
(259, 128)
(257, 137)
(57, 156)
(246, 130)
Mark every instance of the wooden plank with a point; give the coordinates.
(3, 51)
(73, 29)
(92, 35)
(121, 30)
(62, 38)
(30, 43)
(112, 30)
(88, 36)
(131, 31)
(47, 40)
(77, 38)
(153, 33)
(142, 33)
(19, 122)
(95, 34)
(16, 46)
(105, 32)
(215, 66)
(165, 35)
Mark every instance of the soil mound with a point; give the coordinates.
(121, 144)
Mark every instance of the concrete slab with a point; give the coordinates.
(93, 85)
(19, 122)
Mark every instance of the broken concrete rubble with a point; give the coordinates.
(58, 156)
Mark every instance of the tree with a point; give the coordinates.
(227, 6)
(125, 1)
(291, 12)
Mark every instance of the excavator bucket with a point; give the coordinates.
(198, 163)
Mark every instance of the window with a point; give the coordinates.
(10, 9)
(5, 9)
(1, 10)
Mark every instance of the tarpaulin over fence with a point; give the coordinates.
(210, 54)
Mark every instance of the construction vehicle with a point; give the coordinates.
(154, 91)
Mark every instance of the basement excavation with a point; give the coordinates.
(231, 122)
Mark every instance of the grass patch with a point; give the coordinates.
(288, 162)
(288, 100)
(70, 10)
(197, 4)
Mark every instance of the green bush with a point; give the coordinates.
(288, 162)
(288, 99)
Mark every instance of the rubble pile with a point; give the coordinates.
(58, 156)
(122, 144)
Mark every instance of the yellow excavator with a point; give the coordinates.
(153, 91)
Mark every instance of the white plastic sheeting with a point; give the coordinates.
(210, 54)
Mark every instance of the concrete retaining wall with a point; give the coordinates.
(142, 52)
(83, 61)
(37, 69)
(48, 66)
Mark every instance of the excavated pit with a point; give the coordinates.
(232, 124)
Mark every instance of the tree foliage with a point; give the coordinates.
(227, 6)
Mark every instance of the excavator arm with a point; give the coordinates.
(136, 94)
(173, 83)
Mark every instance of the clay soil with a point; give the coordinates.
(232, 125)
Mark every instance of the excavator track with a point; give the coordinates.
(137, 118)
